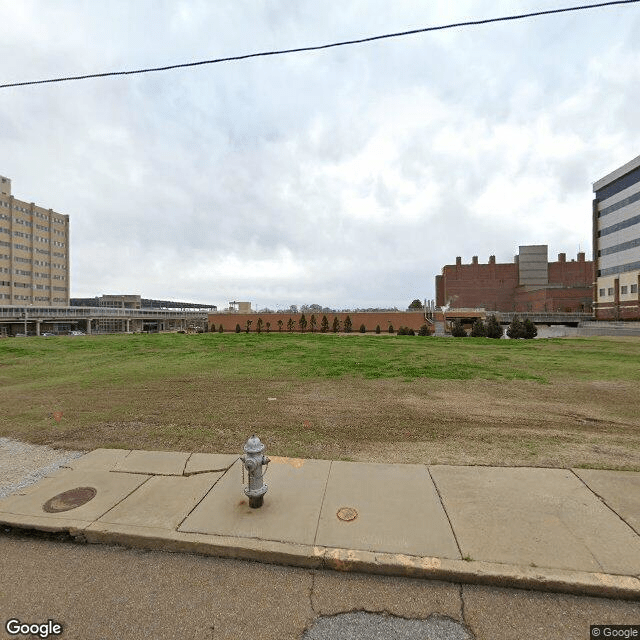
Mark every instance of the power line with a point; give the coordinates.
(344, 43)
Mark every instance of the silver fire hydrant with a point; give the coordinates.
(253, 461)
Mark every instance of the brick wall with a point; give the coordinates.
(411, 319)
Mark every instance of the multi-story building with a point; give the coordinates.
(530, 283)
(34, 252)
(616, 243)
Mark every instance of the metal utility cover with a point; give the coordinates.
(290, 509)
(398, 511)
(68, 500)
(111, 488)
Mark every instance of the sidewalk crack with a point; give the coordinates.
(446, 513)
(604, 502)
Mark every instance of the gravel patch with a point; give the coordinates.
(23, 464)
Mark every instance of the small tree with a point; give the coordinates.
(302, 323)
(347, 324)
(313, 323)
(424, 330)
(249, 323)
(213, 327)
(336, 325)
(391, 328)
(280, 323)
(238, 329)
(530, 330)
(324, 324)
(291, 324)
(259, 325)
(268, 326)
(494, 328)
(402, 331)
(378, 329)
(457, 330)
(516, 329)
(416, 304)
(478, 330)
(220, 329)
(363, 329)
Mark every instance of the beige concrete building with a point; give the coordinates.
(34, 253)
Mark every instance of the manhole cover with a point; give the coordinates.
(68, 500)
(347, 514)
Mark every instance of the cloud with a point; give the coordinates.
(347, 177)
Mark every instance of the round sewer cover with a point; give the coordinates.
(68, 500)
(347, 514)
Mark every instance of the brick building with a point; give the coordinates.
(616, 243)
(530, 283)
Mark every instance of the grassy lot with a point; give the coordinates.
(561, 402)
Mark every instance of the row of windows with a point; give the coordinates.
(619, 205)
(623, 246)
(624, 289)
(23, 222)
(23, 247)
(619, 226)
(25, 285)
(6, 296)
(24, 260)
(623, 268)
(42, 216)
(26, 236)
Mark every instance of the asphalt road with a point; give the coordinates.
(102, 592)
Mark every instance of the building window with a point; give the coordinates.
(623, 289)
(610, 291)
(634, 288)
(602, 293)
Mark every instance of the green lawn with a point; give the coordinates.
(202, 391)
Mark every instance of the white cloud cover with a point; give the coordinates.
(346, 177)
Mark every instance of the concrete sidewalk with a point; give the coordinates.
(572, 531)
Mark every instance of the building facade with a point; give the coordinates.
(530, 284)
(616, 244)
(34, 253)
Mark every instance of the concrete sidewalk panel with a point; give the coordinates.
(98, 459)
(619, 489)
(163, 502)
(289, 513)
(111, 489)
(398, 511)
(201, 462)
(162, 463)
(537, 517)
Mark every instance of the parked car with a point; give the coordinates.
(46, 334)
(77, 333)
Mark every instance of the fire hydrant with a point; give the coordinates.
(253, 461)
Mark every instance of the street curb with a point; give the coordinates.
(544, 579)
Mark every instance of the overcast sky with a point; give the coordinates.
(345, 178)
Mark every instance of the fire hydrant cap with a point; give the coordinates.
(253, 445)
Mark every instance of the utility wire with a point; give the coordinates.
(344, 43)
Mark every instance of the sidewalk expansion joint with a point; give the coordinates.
(112, 507)
(324, 493)
(446, 513)
(606, 504)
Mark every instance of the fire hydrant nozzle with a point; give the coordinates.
(253, 461)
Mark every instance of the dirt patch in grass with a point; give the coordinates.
(482, 422)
